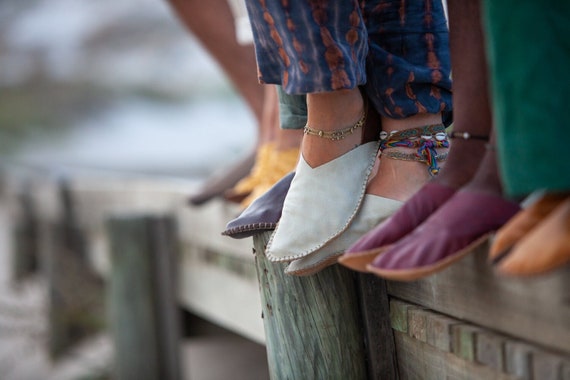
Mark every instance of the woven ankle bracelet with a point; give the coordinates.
(425, 139)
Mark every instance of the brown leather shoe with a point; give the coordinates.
(522, 223)
(221, 181)
(545, 248)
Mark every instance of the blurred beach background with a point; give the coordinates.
(115, 88)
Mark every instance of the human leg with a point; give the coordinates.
(325, 109)
(214, 26)
(471, 116)
(529, 99)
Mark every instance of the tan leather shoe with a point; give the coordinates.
(281, 162)
(545, 248)
(246, 185)
(523, 222)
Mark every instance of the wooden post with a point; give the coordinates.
(378, 333)
(313, 324)
(142, 298)
(75, 301)
(26, 236)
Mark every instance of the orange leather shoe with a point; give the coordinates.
(543, 249)
(281, 163)
(522, 223)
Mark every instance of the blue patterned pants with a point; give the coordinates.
(398, 50)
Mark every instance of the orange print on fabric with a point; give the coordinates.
(402, 12)
(428, 19)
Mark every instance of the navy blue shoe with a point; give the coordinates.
(263, 214)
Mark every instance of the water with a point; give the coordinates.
(192, 124)
(191, 138)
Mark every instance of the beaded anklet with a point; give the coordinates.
(466, 136)
(338, 134)
(425, 139)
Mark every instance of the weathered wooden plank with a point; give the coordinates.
(566, 370)
(439, 331)
(378, 333)
(534, 309)
(143, 311)
(546, 366)
(417, 324)
(75, 292)
(399, 315)
(313, 325)
(26, 257)
(490, 350)
(420, 361)
(464, 341)
(518, 359)
(222, 291)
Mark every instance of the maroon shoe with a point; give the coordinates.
(455, 229)
(417, 209)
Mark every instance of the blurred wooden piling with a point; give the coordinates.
(466, 322)
(26, 235)
(142, 298)
(76, 300)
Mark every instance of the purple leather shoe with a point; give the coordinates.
(455, 229)
(417, 209)
(263, 214)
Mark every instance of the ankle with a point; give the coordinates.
(462, 163)
(334, 110)
(409, 158)
(338, 111)
(289, 139)
(486, 178)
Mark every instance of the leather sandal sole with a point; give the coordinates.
(358, 261)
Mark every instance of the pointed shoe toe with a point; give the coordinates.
(522, 223)
(374, 209)
(464, 222)
(544, 248)
(263, 214)
(414, 211)
(321, 203)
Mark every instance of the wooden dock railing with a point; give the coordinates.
(153, 253)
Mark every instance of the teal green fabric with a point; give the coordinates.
(292, 110)
(528, 44)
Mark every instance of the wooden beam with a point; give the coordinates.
(142, 298)
(378, 333)
(533, 309)
(312, 324)
(75, 292)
